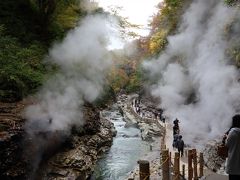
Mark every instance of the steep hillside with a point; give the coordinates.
(27, 30)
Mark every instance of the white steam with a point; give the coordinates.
(194, 80)
(83, 61)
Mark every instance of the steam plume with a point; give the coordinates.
(83, 60)
(195, 82)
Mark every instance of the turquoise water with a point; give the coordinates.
(126, 150)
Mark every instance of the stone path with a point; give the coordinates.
(217, 177)
(168, 142)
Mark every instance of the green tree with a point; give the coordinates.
(21, 69)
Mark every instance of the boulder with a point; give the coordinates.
(212, 160)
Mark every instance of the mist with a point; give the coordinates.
(195, 81)
(83, 60)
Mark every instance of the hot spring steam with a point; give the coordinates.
(195, 81)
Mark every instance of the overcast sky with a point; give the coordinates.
(137, 11)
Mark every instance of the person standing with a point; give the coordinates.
(176, 121)
(175, 140)
(175, 126)
(175, 130)
(233, 145)
(180, 145)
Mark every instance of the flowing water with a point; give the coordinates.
(126, 150)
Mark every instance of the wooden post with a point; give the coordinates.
(194, 152)
(176, 168)
(162, 143)
(186, 153)
(201, 161)
(170, 158)
(165, 165)
(183, 171)
(144, 170)
(190, 169)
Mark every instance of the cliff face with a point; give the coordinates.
(81, 151)
(12, 165)
(67, 156)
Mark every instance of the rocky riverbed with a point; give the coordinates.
(74, 158)
(149, 126)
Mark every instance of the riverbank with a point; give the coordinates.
(151, 129)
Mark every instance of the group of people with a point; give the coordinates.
(177, 138)
(136, 105)
(150, 113)
(159, 115)
(231, 139)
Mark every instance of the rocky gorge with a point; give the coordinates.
(73, 158)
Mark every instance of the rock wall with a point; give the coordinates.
(77, 159)
(12, 165)
(74, 158)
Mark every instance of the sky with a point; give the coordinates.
(137, 11)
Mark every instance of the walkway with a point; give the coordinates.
(154, 157)
(217, 177)
(208, 174)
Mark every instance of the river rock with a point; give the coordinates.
(212, 160)
(148, 131)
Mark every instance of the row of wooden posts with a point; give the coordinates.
(194, 171)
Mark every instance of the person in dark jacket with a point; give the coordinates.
(233, 145)
(180, 145)
(175, 140)
(175, 130)
(175, 127)
(176, 121)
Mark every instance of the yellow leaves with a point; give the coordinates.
(236, 56)
(233, 53)
(165, 23)
(158, 41)
(118, 79)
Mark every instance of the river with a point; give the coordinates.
(126, 150)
